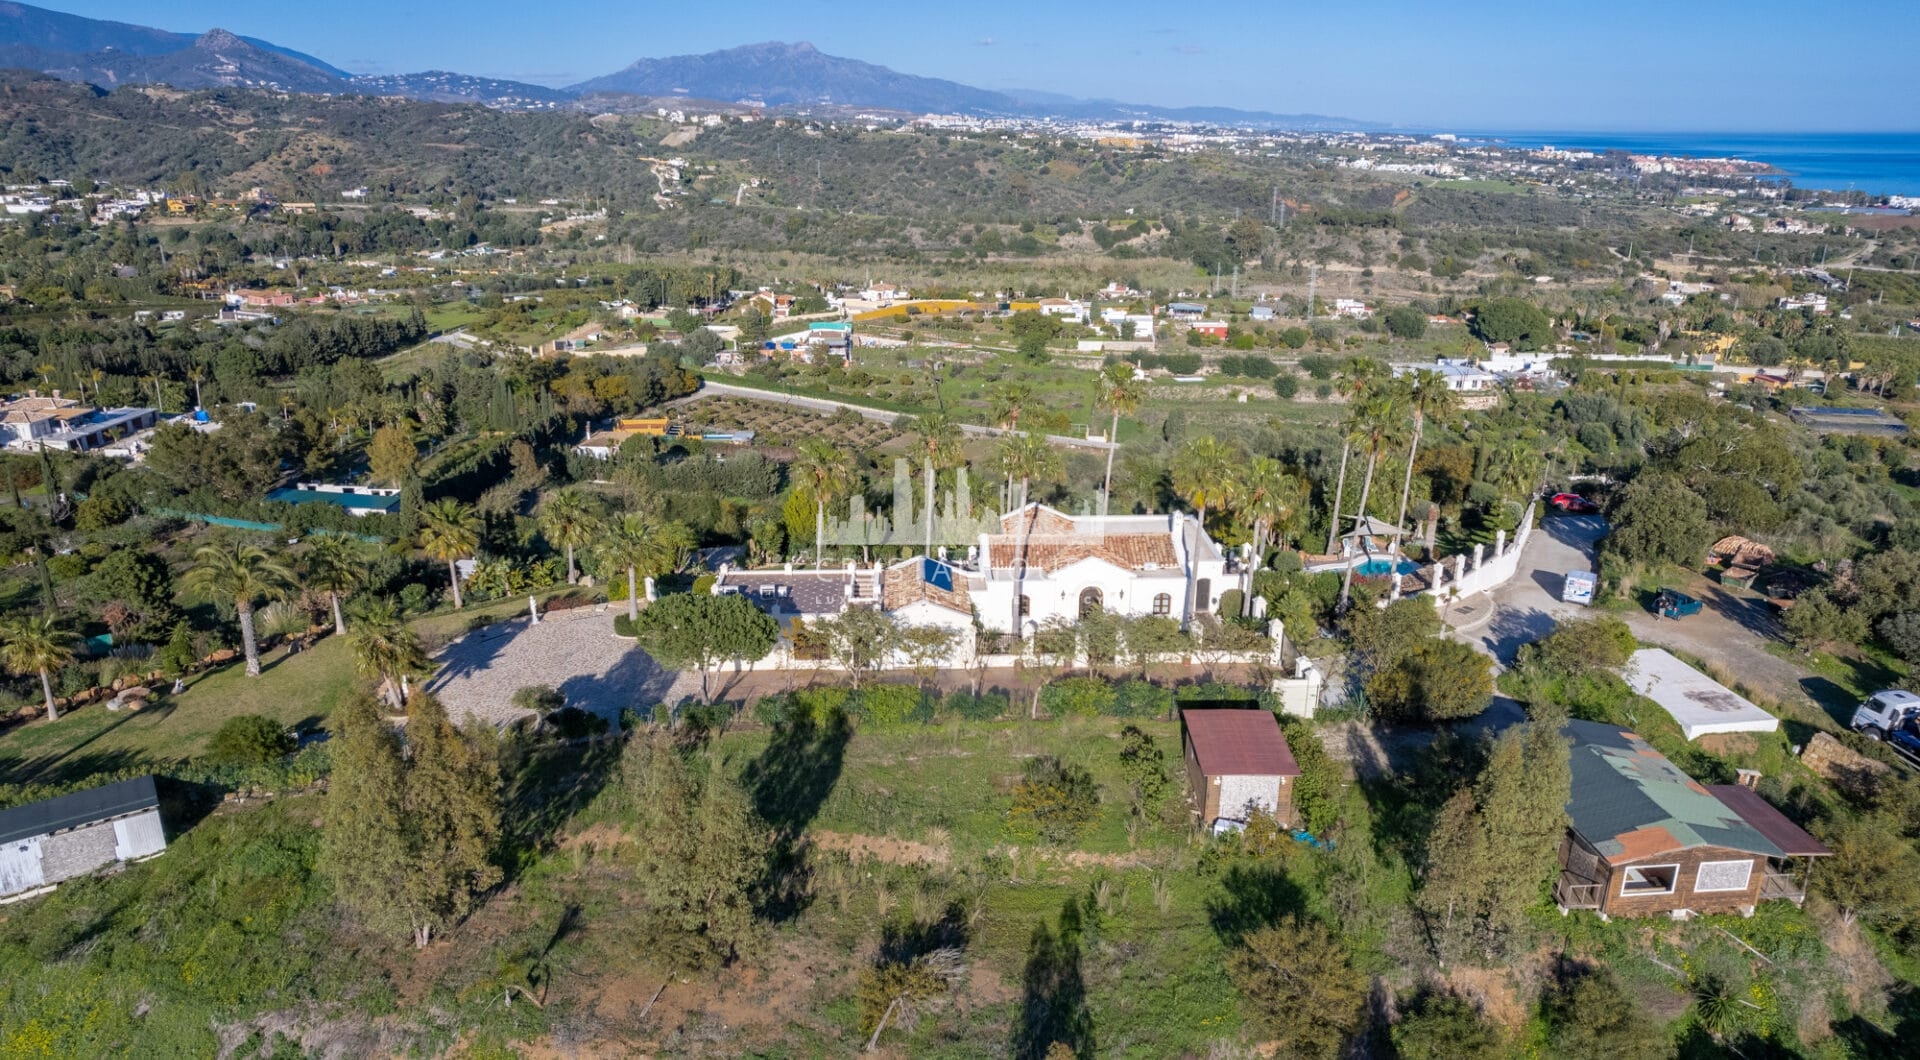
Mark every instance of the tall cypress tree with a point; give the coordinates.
(453, 818)
(704, 850)
(363, 846)
(1494, 844)
(410, 833)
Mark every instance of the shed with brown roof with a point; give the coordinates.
(1238, 761)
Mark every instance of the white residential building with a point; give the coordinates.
(1810, 300)
(1057, 567)
(1351, 307)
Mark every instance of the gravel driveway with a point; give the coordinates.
(574, 651)
(1733, 630)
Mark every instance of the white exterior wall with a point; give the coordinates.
(1239, 792)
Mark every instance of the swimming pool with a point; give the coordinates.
(1379, 568)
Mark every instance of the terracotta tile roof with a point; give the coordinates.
(1239, 743)
(1127, 551)
(1036, 524)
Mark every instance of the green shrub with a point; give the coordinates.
(1141, 699)
(572, 723)
(1077, 697)
(541, 699)
(623, 626)
(249, 740)
(1214, 690)
(68, 566)
(1054, 802)
(984, 707)
(890, 705)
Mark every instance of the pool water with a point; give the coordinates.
(1379, 568)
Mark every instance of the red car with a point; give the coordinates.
(1574, 503)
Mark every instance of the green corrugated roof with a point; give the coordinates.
(1621, 785)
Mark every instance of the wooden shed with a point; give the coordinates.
(1646, 839)
(1237, 760)
(43, 843)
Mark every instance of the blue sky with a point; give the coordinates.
(1439, 64)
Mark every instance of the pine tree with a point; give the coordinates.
(410, 834)
(363, 845)
(703, 852)
(1453, 893)
(453, 818)
(1523, 799)
(1494, 845)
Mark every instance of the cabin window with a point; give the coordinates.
(1649, 879)
(1026, 606)
(1723, 876)
(1163, 604)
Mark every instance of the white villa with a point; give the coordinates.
(1055, 565)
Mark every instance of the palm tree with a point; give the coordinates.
(35, 644)
(1356, 377)
(1265, 495)
(1379, 420)
(336, 564)
(1201, 471)
(937, 439)
(1429, 398)
(1513, 466)
(1026, 458)
(823, 467)
(450, 531)
(1009, 400)
(244, 574)
(197, 374)
(387, 649)
(567, 520)
(1120, 394)
(644, 548)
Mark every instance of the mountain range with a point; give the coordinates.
(772, 75)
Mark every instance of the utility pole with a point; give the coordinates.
(1236, 282)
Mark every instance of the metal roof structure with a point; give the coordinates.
(1239, 743)
(79, 808)
(1699, 703)
(1629, 802)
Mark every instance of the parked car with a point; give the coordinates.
(1670, 604)
(1573, 503)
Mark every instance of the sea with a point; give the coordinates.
(1876, 163)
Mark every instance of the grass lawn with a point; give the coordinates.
(292, 689)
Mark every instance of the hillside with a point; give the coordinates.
(35, 38)
(795, 74)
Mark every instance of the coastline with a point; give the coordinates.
(1875, 163)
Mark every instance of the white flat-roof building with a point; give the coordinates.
(1700, 704)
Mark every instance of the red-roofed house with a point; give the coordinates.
(1238, 760)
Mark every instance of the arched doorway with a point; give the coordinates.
(1203, 596)
(1090, 601)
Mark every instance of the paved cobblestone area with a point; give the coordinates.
(574, 651)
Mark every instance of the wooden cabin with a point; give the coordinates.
(1237, 760)
(1646, 839)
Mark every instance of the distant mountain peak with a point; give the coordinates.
(219, 38)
